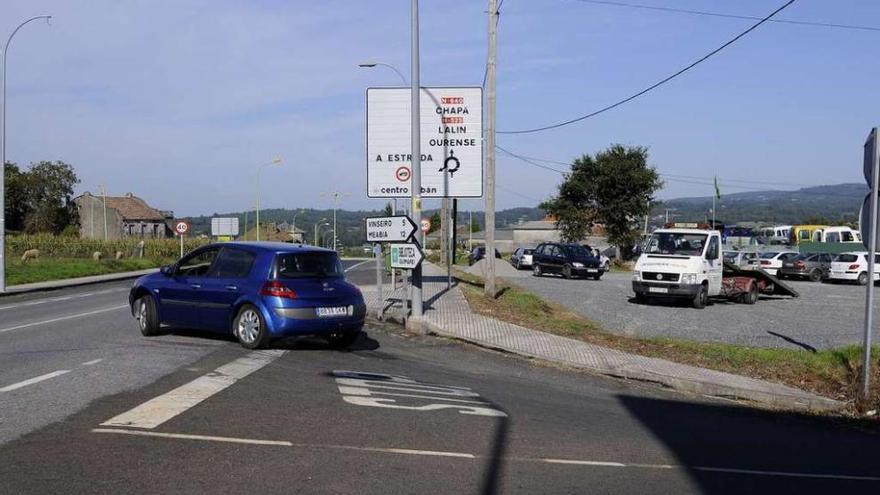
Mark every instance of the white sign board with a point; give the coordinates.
(451, 142)
(389, 229)
(405, 256)
(224, 226)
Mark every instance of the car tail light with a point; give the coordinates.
(854, 266)
(765, 262)
(799, 264)
(275, 288)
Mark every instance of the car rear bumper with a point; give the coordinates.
(671, 290)
(305, 321)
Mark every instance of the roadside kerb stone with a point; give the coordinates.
(448, 314)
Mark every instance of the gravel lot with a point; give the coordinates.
(825, 316)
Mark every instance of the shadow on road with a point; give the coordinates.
(732, 449)
(363, 343)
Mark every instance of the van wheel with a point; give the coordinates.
(863, 278)
(815, 275)
(751, 297)
(641, 298)
(702, 297)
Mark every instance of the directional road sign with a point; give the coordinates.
(406, 256)
(398, 228)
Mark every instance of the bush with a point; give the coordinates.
(52, 246)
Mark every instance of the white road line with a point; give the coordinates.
(63, 318)
(34, 380)
(62, 298)
(93, 361)
(206, 438)
(584, 463)
(367, 392)
(156, 411)
(282, 443)
(352, 267)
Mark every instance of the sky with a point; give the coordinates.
(180, 102)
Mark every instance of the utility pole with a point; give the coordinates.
(335, 195)
(416, 180)
(490, 151)
(104, 197)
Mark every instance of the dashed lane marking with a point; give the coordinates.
(92, 362)
(63, 318)
(34, 380)
(156, 411)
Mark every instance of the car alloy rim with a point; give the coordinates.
(142, 314)
(248, 326)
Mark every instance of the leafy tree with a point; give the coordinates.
(435, 222)
(475, 225)
(49, 188)
(16, 204)
(388, 210)
(613, 188)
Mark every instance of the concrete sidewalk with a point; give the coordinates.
(448, 314)
(73, 282)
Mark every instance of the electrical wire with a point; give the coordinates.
(729, 16)
(655, 85)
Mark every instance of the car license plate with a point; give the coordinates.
(592, 270)
(331, 311)
(658, 290)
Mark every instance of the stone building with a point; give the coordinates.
(127, 216)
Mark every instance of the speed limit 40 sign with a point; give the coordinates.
(181, 227)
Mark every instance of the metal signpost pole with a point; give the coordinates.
(416, 180)
(490, 152)
(377, 253)
(869, 298)
(181, 244)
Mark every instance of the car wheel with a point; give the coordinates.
(518, 265)
(250, 329)
(144, 311)
(751, 297)
(343, 340)
(702, 297)
(863, 278)
(598, 276)
(536, 270)
(815, 275)
(566, 271)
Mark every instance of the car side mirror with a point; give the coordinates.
(167, 270)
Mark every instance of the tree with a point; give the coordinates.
(49, 195)
(16, 205)
(475, 225)
(435, 222)
(388, 210)
(613, 188)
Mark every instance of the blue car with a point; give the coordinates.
(258, 291)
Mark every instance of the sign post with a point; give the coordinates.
(181, 228)
(377, 253)
(868, 227)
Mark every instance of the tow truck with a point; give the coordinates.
(686, 262)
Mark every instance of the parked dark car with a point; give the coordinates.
(568, 260)
(814, 267)
(479, 253)
(256, 291)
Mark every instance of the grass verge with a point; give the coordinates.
(833, 373)
(45, 269)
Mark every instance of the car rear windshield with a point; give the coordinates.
(528, 251)
(846, 258)
(768, 256)
(575, 250)
(308, 265)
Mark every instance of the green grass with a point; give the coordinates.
(45, 269)
(834, 373)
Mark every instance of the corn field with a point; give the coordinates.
(52, 246)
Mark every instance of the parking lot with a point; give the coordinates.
(824, 316)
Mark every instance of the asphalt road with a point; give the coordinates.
(824, 316)
(188, 412)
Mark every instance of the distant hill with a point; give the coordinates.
(833, 204)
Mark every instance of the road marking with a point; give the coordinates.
(63, 318)
(584, 463)
(34, 380)
(352, 267)
(90, 363)
(61, 298)
(283, 443)
(156, 411)
(361, 391)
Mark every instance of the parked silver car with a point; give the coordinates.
(742, 259)
(522, 258)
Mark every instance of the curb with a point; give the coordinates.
(802, 403)
(51, 285)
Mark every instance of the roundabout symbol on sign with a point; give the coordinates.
(446, 164)
(402, 174)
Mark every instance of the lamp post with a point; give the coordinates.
(318, 225)
(276, 161)
(294, 223)
(3, 157)
(336, 195)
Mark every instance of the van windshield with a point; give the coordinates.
(308, 265)
(676, 243)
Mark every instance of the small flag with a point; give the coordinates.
(717, 191)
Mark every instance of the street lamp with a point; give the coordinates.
(336, 195)
(371, 64)
(3, 157)
(276, 161)
(294, 222)
(318, 225)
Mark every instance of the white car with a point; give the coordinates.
(852, 267)
(771, 261)
(742, 259)
(522, 258)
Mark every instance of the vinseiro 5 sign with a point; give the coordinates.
(452, 144)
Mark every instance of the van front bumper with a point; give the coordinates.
(665, 290)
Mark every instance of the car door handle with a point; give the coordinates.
(195, 286)
(231, 287)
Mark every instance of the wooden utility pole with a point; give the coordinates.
(490, 151)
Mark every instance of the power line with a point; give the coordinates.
(729, 16)
(655, 85)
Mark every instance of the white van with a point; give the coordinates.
(840, 234)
